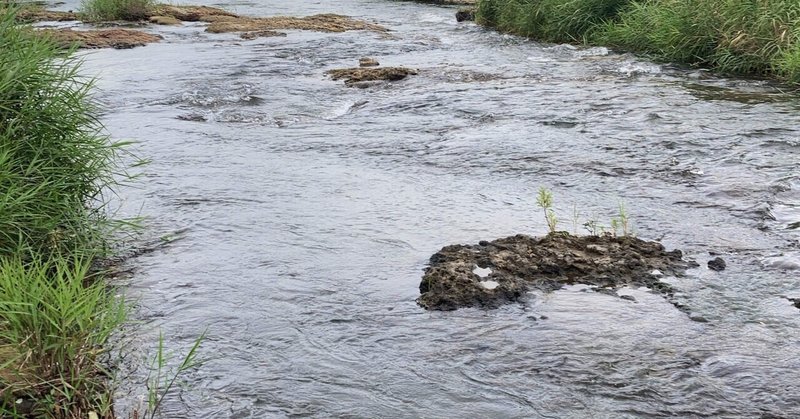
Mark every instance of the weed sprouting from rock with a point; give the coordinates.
(545, 201)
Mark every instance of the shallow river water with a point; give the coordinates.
(303, 213)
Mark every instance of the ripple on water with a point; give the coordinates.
(312, 209)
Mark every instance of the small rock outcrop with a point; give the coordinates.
(466, 15)
(368, 62)
(104, 38)
(499, 272)
(717, 264)
(353, 76)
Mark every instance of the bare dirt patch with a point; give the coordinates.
(104, 38)
(491, 274)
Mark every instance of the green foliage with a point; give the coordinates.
(57, 320)
(545, 201)
(54, 162)
(55, 314)
(548, 20)
(746, 37)
(105, 10)
(161, 380)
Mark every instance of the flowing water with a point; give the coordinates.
(301, 214)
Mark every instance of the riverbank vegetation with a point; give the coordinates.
(106, 10)
(56, 314)
(753, 38)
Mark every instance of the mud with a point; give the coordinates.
(503, 271)
(319, 23)
(353, 76)
(104, 38)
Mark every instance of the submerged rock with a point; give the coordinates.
(717, 264)
(357, 75)
(260, 34)
(465, 15)
(795, 301)
(521, 263)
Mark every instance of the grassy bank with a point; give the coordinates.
(55, 313)
(738, 37)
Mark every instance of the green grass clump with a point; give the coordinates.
(104, 10)
(55, 316)
(54, 161)
(56, 319)
(740, 37)
(755, 37)
(548, 20)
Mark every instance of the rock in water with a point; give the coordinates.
(368, 62)
(465, 15)
(352, 76)
(521, 263)
(717, 264)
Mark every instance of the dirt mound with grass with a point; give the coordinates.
(105, 38)
(491, 274)
(353, 76)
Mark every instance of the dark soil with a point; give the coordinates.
(522, 263)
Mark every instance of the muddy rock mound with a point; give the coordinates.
(105, 38)
(190, 13)
(353, 76)
(39, 14)
(491, 274)
(319, 23)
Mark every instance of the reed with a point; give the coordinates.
(55, 162)
(753, 37)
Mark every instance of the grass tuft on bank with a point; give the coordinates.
(106, 10)
(752, 38)
(56, 313)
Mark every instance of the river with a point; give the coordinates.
(303, 213)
